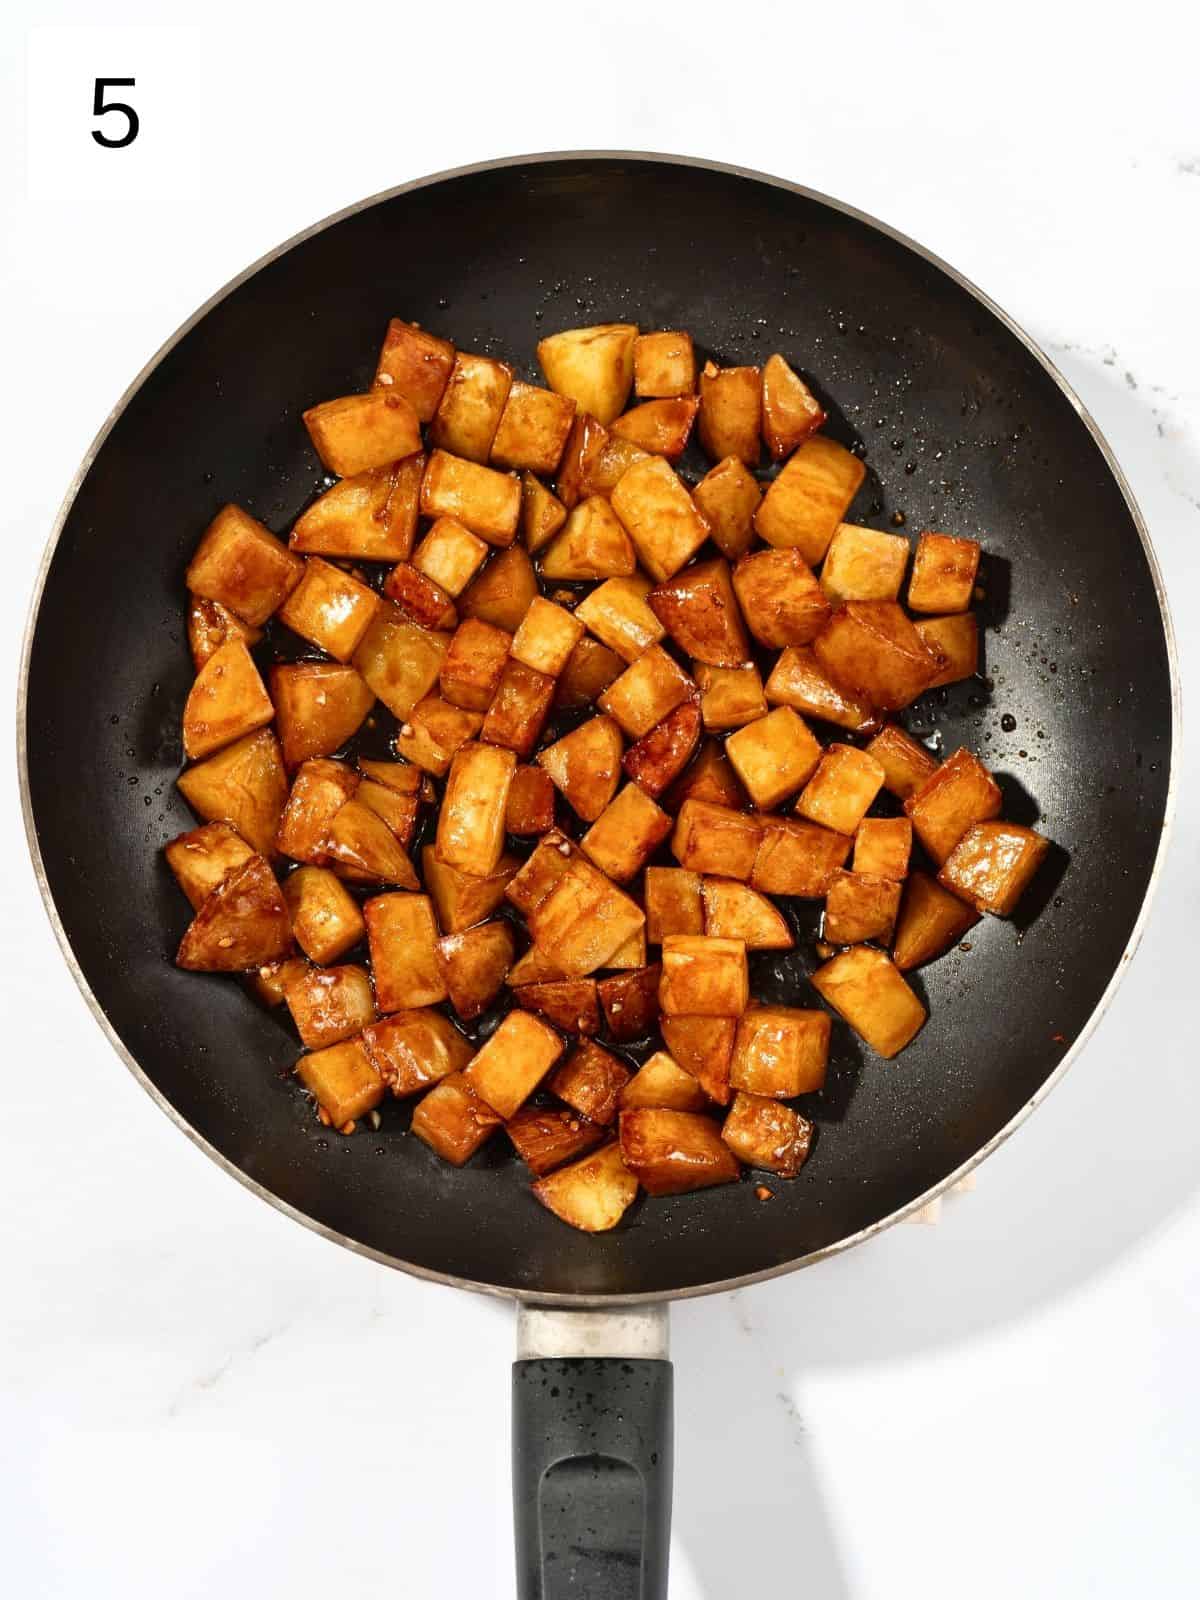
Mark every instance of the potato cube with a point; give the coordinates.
(359, 432)
(503, 591)
(931, 920)
(400, 776)
(591, 1195)
(244, 785)
(790, 410)
(474, 965)
(484, 500)
(325, 917)
(571, 1004)
(864, 564)
(542, 513)
(210, 625)
(591, 1081)
(797, 858)
(629, 1001)
(329, 1004)
(646, 692)
(319, 791)
(774, 756)
(546, 1136)
(546, 637)
(342, 1081)
(411, 1050)
(584, 919)
(730, 697)
(872, 649)
(403, 938)
(360, 845)
(519, 710)
(703, 977)
(227, 701)
(626, 834)
(513, 1061)
(592, 544)
(330, 609)
(730, 412)
(991, 865)
(604, 468)
(673, 903)
(469, 412)
(397, 811)
(630, 955)
(453, 1121)
(957, 794)
(780, 1051)
(955, 640)
(780, 598)
(658, 757)
(242, 924)
(399, 661)
(318, 706)
(530, 808)
(672, 1152)
(204, 858)
(842, 789)
(732, 910)
(710, 777)
(590, 668)
(864, 987)
(703, 1046)
(882, 847)
(716, 839)
(268, 983)
(580, 458)
(943, 575)
(728, 498)
(660, 427)
(450, 555)
(460, 898)
(763, 1133)
(535, 966)
(370, 517)
(798, 681)
(660, 517)
(906, 764)
(860, 907)
(243, 567)
(585, 765)
(416, 364)
(700, 612)
(533, 429)
(618, 613)
(542, 871)
(664, 365)
(592, 366)
(804, 504)
(470, 829)
(474, 664)
(434, 732)
(660, 1082)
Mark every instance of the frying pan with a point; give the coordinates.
(964, 425)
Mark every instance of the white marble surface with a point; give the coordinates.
(199, 1397)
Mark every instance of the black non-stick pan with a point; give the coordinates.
(964, 426)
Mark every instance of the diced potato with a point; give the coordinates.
(242, 924)
(470, 829)
(658, 757)
(546, 1136)
(329, 1004)
(842, 789)
(535, 966)
(673, 903)
(593, 366)
(864, 987)
(762, 1133)
(943, 575)
(243, 567)
(590, 1081)
(543, 870)
(780, 598)
(703, 1046)
(664, 365)
(859, 907)
(882, 846)
(660, 1082)
(416, 364)
(204, 858)
(700, 612)
(484, 500)
(991, 865)
(660, 517)
(533, 429)
(931, 920)
(434, 732)
(450, 555)
(603, 468)
(461, 899)
(626, 834)
(797, 858)
(503, 591)
(774, 756)
(420, 598)
(542, 513)
(474, 965)
(318, 706)
(732, 910)
(864, 564)
(728, 498)
(398, 775)
(399, 661)
(660, 427)
(584, 919)
(906, 764)
(403, 938)
(955, 640)
(359, 432)
(268, 982)
(519, 710)
(244, 785)
(803, 506)
(591, 1195)
(617, 612)
(629, 1001)
(956, 795)
(210, 625)
(530, 808)
(571, 1004)
(513, 1061)
(672, 1152)
(585, 765)
(592, 544)
(227, 701)
(646, 692)
(453, 1121)
(631, 954)
(474, 665)
(790, 410)
(797, 680)
(370, 517)
(360, 845)
(319, 791)
(398, 811)
(703, 977)
(325, 917)
(580, 458)
(710, 777)
(411, 1050)
(780, 1051)
(872, 649)
(730, 697)
(590, 668)
(330, 609)
(546, 637)
(731, 412)
(469, 412)
(716, 839)
(342, 1081)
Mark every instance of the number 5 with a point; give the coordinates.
(100, 109)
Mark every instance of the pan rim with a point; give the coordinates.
(502, 1291)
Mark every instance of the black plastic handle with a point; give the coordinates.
(592, 1444)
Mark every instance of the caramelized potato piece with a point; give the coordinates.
(872, 649)
(244, 785)
(210, 625)
(728, 498)
(470, 829)
(403, 939)
(325, 917)
(399, 661)
(474, 664)
(956, 795)
(571, 1004)
(700, 612)
(730, 412)
(860, 906)
(646, 692)
(370, 517)
(703, 1046)
(542, 513)
(864, 987)
(991, 865)
(710, 777)
(629, 1001)
(730, 697)
(227, 701)
(734, 911)
(474, 965)
(673, 903)
(584, 919)
(716, 839)
(931, 920)
(471, 406)
(660, 1082)
(703, 977)
(955, 641)
(590, 1081)
(434, 732)
(671, 1152)
(842, 789)
(790, 410)
(519, 710)
(399, 776)
(484, 500)
(461, 899)
(864, 564)
(660, 517)
(658, 757)
(453, 1121)
(780, 598)
(592, 366)
(774, 756)
(803, 506)
(943, 575)
(329, 1004)
(533, 429)
(798, 681)
(591, 1195)
(630, 955)
(660, 427)
(780, 1051)
(416, 364)
(762, 1133)
(243, 567)
(319, 791)
(604, 469)
(359, 432)
(513, 1061)
(503, 591)
(580, 460)
(535, 966)
(797, 858)
(545, 1136)
(361, 846)
(420, 598)
(530, 808)
(543, 871)
(590, 668)
(243, 923)
(411, 1050)
(882, 846)
(626, 834)
(664, 365)
(592, 544)
(330, 609)
(318, 706)
(906, 764)
(585, 765)
(342, 1081)
(618, 613)
(397, 811)
(268, 983)
(204, 858)
(450, 555)
(546, 637)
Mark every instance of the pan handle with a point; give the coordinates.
(592, 1437)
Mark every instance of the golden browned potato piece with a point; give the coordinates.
(243, 567)
(618, 613)
(542, 513)
(931, 920)
(660, 427)
(531, 968)
(860, 906)
(957, 794)
(592, 544)
(882, 846)
(626, 834)
(991, 865)
(630, 955)
(906, 764)
(398, 811)
(842, 789)
(728, 498)
(591, 1195)
(399, 661)
(484, 500)
(361, 846)
(703, 1046)
(470, 830)
(450, 555)
(503, 591)
(864, 564)
(774, 756)
(664, 365)
(318, 706)
(797, 680)
(533, 429)
(330, 609)
(319, 791)
(661, 1082)
(519, 709)
(716, 839)
(244, 785)
(546, 637)
(730, 697)
(513, 1061)
(604, 468)
(955, 640)
(453, 1121)
(474, 664)
(584, 919)
(370, 517)
(243, 923)
(672, 1152)
(646, 692)
(403, 937)
(805, 503)
(421, 599)
(434, 732)
(358, 432)
(703, 977)
(590, 668)
(593, 366)
(471, 406)
(415, 364)
(797, 858)
(329, 1004)
(656, 759)
(530, 808)
(210, 625)
(461, 898)
(943, 575)
(571, 1004)
(543, 870)
(204, 858)
(411, 1050)
(780, 1051)
(790, 410)
(710, 777)
(673, 903)
(268, 982)
(700, 612)
(733, 910)
(475, 964)
(629, 1001)
(226, 702)
(731, 412)
(580, 458)
(872, 649)
(342, 1081)
(781, 600)
(546, 1136)
(864, 987)
(585, 765)
(590, 1082)
(763, 1133)
(325, 917)
(660, 517)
